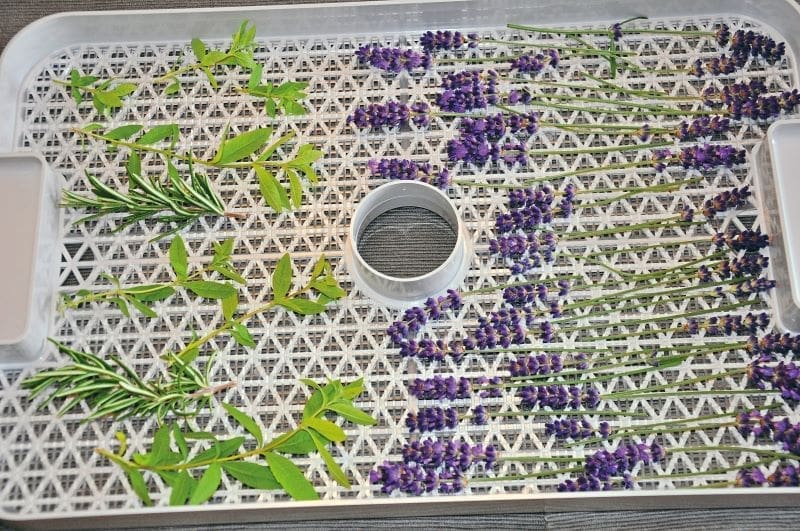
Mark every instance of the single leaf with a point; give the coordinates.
(290, 477)
(282, 277)
(246, 421)
(180, 441)
(139, 485)
(353, 389)
(208, 289)
(224, 250)
(199, 48)
(302, 306)
(207, 485)
(310, 383)
(326, 428)
(242, 336)
(124, 89)
(157, 134)
(152, 294)
(178, 257)
(122, 305)
(255, 77)
(314, 404)
(295, 188)
(334, 469)
(242, 146)
(298, 444)
(328, 287)
(123, 132)
(252, 474)
(200, 436)
(173, 88)
(352, 413)
(219, 449)
(227, 272)
(271, 190)
(229, 305)
(182, 488)
(142, 308)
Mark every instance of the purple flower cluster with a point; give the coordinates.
(558, 397)
(429, 466)
(749, 264)
(705, 157)
(432, 419)
(773, 344)
(733, 198)
(783, 377)
(428, 349)
(439, 388)
(746, 240)
(534, 210)
(447, 40)
(703, 127)
(729, 324)
(408, 170)
(393, 59)
(391, 114)
(529, 251)
(533, 64)
(466, 91)
(571, 429)
(503, 328)
(479, 139)
(492, 387)
(784, 476)
(751, 100)
(752, 286)
(601, 467)
(416, 317)
(766, 426)
(535, 365)
(749, 43)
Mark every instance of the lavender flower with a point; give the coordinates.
(503, 328)
(494, 383)
(454, 455)
(729, 324)
(723, 35)
(773, 344)
(478, 141)
(522, 96)
(746, 240)
(416, 317)
(705, 157)
(558, 397)
(439, 388)
(748, 264)
(393, 59)
(428, 349)
(432, 419)
(748, 43)
(479, 416)
(447, 40)
(733, 198)
(391, 114)
(604, 465)
(785, 476)
(750, 477)
(538, 247)
(534, 365)
(466, 91)
(569, 429)
(783, 377)
(702, 127)
(533, 64)
(751, 100)
(408, 170)
(616, 31)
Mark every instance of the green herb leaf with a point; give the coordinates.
(314, 404)
(207, 485)
(180, 441)
(220, 449)
(208, 289)
(160, 448)
(251, 474)
(353, 389)
(142, 308)
(223, 251)
(282, 277)
(352, 413)
(158, 133)
(123, 132)
(242, 335)
(227, 272)
(302, 306)
(172, 88)
(246, 421)
(182, 487)
(179, 258)
(122, 305)
(242, 146)
(295, 188)
(298, 444)
(229, 305)
(200, 436)
(139, 485)
(151, 293)
(255, 77)
(311, 383)
(334, 469)
(124, 89)
(326, 428)
(271, 190)
(328, 287)
(290, 477)
(199, 48)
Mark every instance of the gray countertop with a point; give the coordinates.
(15, 15)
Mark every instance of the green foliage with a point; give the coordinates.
(196, 480)
(140, 296)
(106, 95)
(113, 389)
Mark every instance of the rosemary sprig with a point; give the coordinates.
(170, 456)
(115, 390)
(171, 201)
(140, 296)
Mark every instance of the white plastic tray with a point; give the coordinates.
(49, 472)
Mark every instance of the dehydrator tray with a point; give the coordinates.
(50, 473)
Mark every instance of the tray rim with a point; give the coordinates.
(393, 506)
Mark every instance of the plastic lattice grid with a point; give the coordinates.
(48, 464)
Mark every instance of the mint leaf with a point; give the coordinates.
(199, 48)
(242, 336)
(246, 421)
(142, 307)
(139, 485)
(335, 470)
(290, 477)
(282, 277)
(180, 441)
(295, 188)
(122, 305)
(182, 487)
(353, 389)
(209, 289)
(229, 305)
(302, 306)
(122, 132)
(314, 405)
(251, 474)
(271, 190)
(326, 428)
(352, 413)
(159, 133)
(178, 257)
(220, 449)
(151, 293)
(242, 146)
(298, 444)
(207, 485)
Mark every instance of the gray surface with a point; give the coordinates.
(15, 15)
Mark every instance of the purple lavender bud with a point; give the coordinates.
(723, 35)
(407, 170)
(702, 127)
(687, 214)
(604, 430)
(392, 114)
(447, 41)
(785, 476)
(616, 31)
(746, 240)
(466, 91)
(750, 477)
(479, 416)
(438, 388)
(729, 199)
(392, 59)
